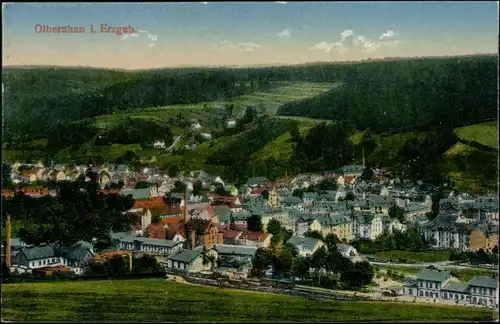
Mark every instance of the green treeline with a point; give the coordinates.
(404, 95)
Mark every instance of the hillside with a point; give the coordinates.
(128, 300)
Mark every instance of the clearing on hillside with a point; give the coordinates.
(485, 134)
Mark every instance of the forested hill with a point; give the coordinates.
(407, 95)
(381, 95)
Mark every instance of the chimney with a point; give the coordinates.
(192, 234)
(7, 246)
(186, 215)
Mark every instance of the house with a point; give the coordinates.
(162, 246)
(230, 123)
(305, 245)
(347, 251)
(229, 253)
(393, 225)
(195, 125)
(351, 170)
(145, 193)
(308, 198)
(416, 209)
(428, 283)
(273, 199)
(255, 239)
(206, 136)
(60, 176)
(282, 216)
(256, 181)
(230, 236)
(367, 226)
(192, 260)
(200, 232)
(483, 290)
(159, 144)
(33, 257)
(340, 225)
(483, 237)
(78, 255)
(307, 226)
(29, 175)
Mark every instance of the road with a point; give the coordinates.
(176, 140)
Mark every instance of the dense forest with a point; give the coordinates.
(38, 100)
(404, 95)
(382, 95)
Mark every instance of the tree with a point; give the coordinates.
(396, 212)
(318, 258)
(173, 170)
(295, 133)
(261, 261)
(179, 187)
(6, 175)
(221, 191)
(327, 185)
(331, 240)
(274, 227)
(254, 223)
(197, 188)
(142, 185)
(250, 115)
(155, 219)
(315, 235)
(300, 268)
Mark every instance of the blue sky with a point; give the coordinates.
(237, 33)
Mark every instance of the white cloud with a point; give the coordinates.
(248, 46)
(284, 33)
(151, 37)
(281, 2)
(350, 41)
(388, 34)
(204, 2)
(346, 34)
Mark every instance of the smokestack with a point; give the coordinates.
(186, 214)
(7, 247)
(192, 233)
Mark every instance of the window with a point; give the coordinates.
(474, 290)
(420, 283)
(410, 291)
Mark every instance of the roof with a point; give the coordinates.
(38, 252)
(156, 231)
(235, 249)
(149, 203)
(433, 275)
(455, 286)
(307, 243)
(186, 256)
(256, 181)
(137, 193)
(160, 242)
(342, 248)
(484, 281)
(171, 220)
(132, 239)
(230, 234)
(77, 252)
(255, 236)
(223, 213)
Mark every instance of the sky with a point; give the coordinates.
(243, 33)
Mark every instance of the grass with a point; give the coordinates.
(485, 134)
(434, 256)
(158, 300)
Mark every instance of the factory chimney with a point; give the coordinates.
(7, 246)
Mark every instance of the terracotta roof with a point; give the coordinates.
(148, 203)
(211, 211)
(349, 179)
(230, 234)
(26, 191)
(165, 209)
(54, 269)
(254, 236)
(110, 191)
(171, 220)
(156, 231)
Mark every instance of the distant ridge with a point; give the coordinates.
(28, 67)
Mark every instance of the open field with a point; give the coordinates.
(269, 101)
(434, 256)
(130, 300)
(485, 134)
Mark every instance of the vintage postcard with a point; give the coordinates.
(250, 161)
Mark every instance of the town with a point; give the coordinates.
(196, 223)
